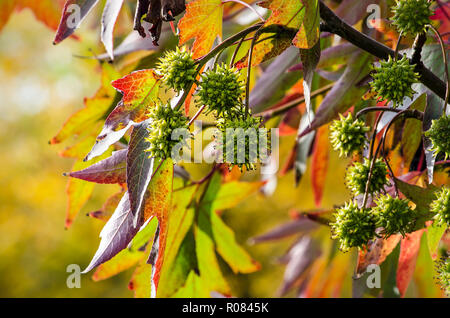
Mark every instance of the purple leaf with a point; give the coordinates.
(109, 170)
(116, 234)
(109, 18)
(273, 82)
(352, 11)
(285, 230)
(343, 94)
(331, 56)
(300, 257)
(73, 14)
(139, 167)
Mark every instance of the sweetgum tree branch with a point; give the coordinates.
(333, 24)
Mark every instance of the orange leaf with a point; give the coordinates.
(46, 11)
(376, 252)
(301, 15)
(202, 22)
(6, 8)
(409, 250)
(319, 163)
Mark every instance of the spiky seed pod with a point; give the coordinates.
(177, 69)
(358, 173)
(443, 274)
(353, 226)
(163, 121)
(394, 215)
(241, 141)
(441, 206)
(392, 80)
(221, 89)
(439, 133)
(348, 135)
(411, 16)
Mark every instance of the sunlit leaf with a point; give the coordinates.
(434, 235)
(299, 15)
(109, 17)
(202, 22)
(119, 263)
(140, 90)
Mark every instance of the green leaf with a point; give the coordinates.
(422, 197)
(232, 193)
(144, 235)
(236, 257)
(434, 235)
(195, 287)
(180, 250)
(412, 131)
(174, 274)
(208, 264)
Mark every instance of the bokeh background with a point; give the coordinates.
(40, 86)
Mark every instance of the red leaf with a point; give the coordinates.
(140, 90)
(319, 163)
(409, 250)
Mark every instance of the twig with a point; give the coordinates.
(337, 26)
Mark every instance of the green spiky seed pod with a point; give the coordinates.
(443, 274)
(241, 141)
(177, 69)
(348, 135)
(221, 89)
(353, 227)
(441, 206)
(439, 133)
(411, 16)
(394, 215)
(358, 173)
(392, 80)
(163, 121)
